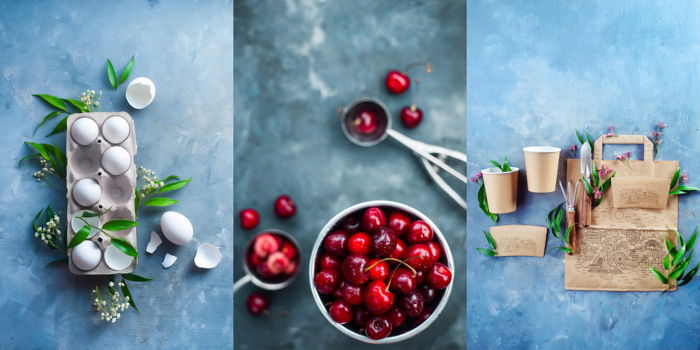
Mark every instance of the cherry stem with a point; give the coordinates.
(396, 260)
(428, 68)
(415, 95)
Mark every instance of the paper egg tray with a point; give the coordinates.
(117, 191)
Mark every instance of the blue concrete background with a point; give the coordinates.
(296, 62)
(537, 71)
(60, 48)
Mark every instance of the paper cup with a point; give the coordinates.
(501, 190)
(541, 165)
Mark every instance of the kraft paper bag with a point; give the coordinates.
(501, 190)
(519, 240)
(640, 192)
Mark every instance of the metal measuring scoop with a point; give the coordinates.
(433, 157)
(251, 277)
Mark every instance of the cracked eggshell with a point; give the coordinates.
(208, 256)
(176, 227)
(116, 259)
(86, 255)
(169, 260)
(115, 129)
(76, 224)
(116, 160)
(84, 131)
(154, 243)
(87, 192)
(140, 92)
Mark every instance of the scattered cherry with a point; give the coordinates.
(249, 218)
(411, 116)
(439, 276)
(403, 281)
(420, 257)
(353, 269)
(397, 82)
(377, 298)
(413, 303)
(336, 242)
(365, 122)
(378, 270)
(378, 327)
(373, 219)
(257, 304)
(341, 312)
(398, 222)
(326, 281)
(419, 232)
(285, 207)
(360, 243)
(383, 241)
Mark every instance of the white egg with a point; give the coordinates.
(86, 192)
(84, 131)
(116, 259)
(86, 255)
(176, 227)
(77, 223)
(115, 129)
(116, 160)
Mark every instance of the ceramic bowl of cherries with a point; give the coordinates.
(381, 272)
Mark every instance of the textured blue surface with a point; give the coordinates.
(296, 62)
(60, 48)
(536, 72)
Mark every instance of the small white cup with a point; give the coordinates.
(140, 92)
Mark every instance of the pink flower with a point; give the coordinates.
(476, 177)
(603, 172)
(611, 131)
(661, 125)
(658, 141)
(625, 156)
(684, 178)
(655, 134)
(573, 148)
(597, 194)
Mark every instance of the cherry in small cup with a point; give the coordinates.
(271, 261)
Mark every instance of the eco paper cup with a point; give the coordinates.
(541, 164)
(501, 189)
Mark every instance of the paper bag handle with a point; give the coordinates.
(624, 140)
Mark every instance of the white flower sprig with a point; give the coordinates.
(49, 231)
(151, 184)
(46, 168)
(91, 99)
(112, 304)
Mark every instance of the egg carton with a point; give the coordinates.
(97, 180)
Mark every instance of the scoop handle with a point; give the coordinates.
(417, 147)
(241, 282)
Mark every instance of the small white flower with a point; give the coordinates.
(111, 284)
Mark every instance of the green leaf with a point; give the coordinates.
(676, 192)
(159, 202)
(691, 242)
(484, 205)
(27, 157)
(174, 185)
(89, 214)
(659, 275)
(568, 232)
(689, 276)
(680, 239)
(678, 256)
(58, 154)
(60, 127)
(111, 75)
(604, 187)
(135, 278)
(496, 164)
(679, 270)
(667, 261)
(580, 137)
(127, 293)
(47, 118)
(487, 252)
(39, 148)
(674, 181)
(589, 139)
(79, 237)
(126, 71)
(171, 177)
(124, 246)
(506, 165)
(490, 239)
(81, 106)
(53, 101)
(118, 225)
(564, 249)
(688, 188)
(596, 178)
(587, 186)
(36, 217)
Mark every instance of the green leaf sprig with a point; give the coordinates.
(584, 137)
(554, 223)
(112, 302)
(149, 194)
(505, 167)
(481, 197)
(47, 227)
(112, 75)
(678, 184)
(601, 181)
(676, 261)
(51, 159)
(492, 244)
(113, 225)
(61, 106)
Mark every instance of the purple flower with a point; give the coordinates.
(476, 177)
(684, 178)
(573, 148)
(597, 194)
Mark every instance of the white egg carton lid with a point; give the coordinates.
(95, 145)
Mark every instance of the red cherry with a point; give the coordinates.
(285, 207)
(377, 298)
(336, 243)
(277, 262)
(253, 260)
(263, 271)
(257, 304)
(397, 82)
(396, 316)
(289, 251)
(383, 241)
(360, 316)
(400, 250)
(373, 218)
(353, 269)
(341, 312)
(418, 256)
(435, 250)
(291, 268)
(365, 122)
(360, 243)
(411, 116)
(439, 276)
(427, 311)
(265, 244)
(413, 303)
(249, 218)
(351, 224)
(429, 294)
(378, 327)
(419, 232)
(329, 262)
(351, 295)
(380, 270)
(420, 277)
(403, 282)
(398, 222)
(326, 281)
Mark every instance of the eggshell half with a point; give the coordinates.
(176, 227)
(86, 255)
(87, 192)
(208, 256)
(84, 131)
(116, 160)
(116, 259)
